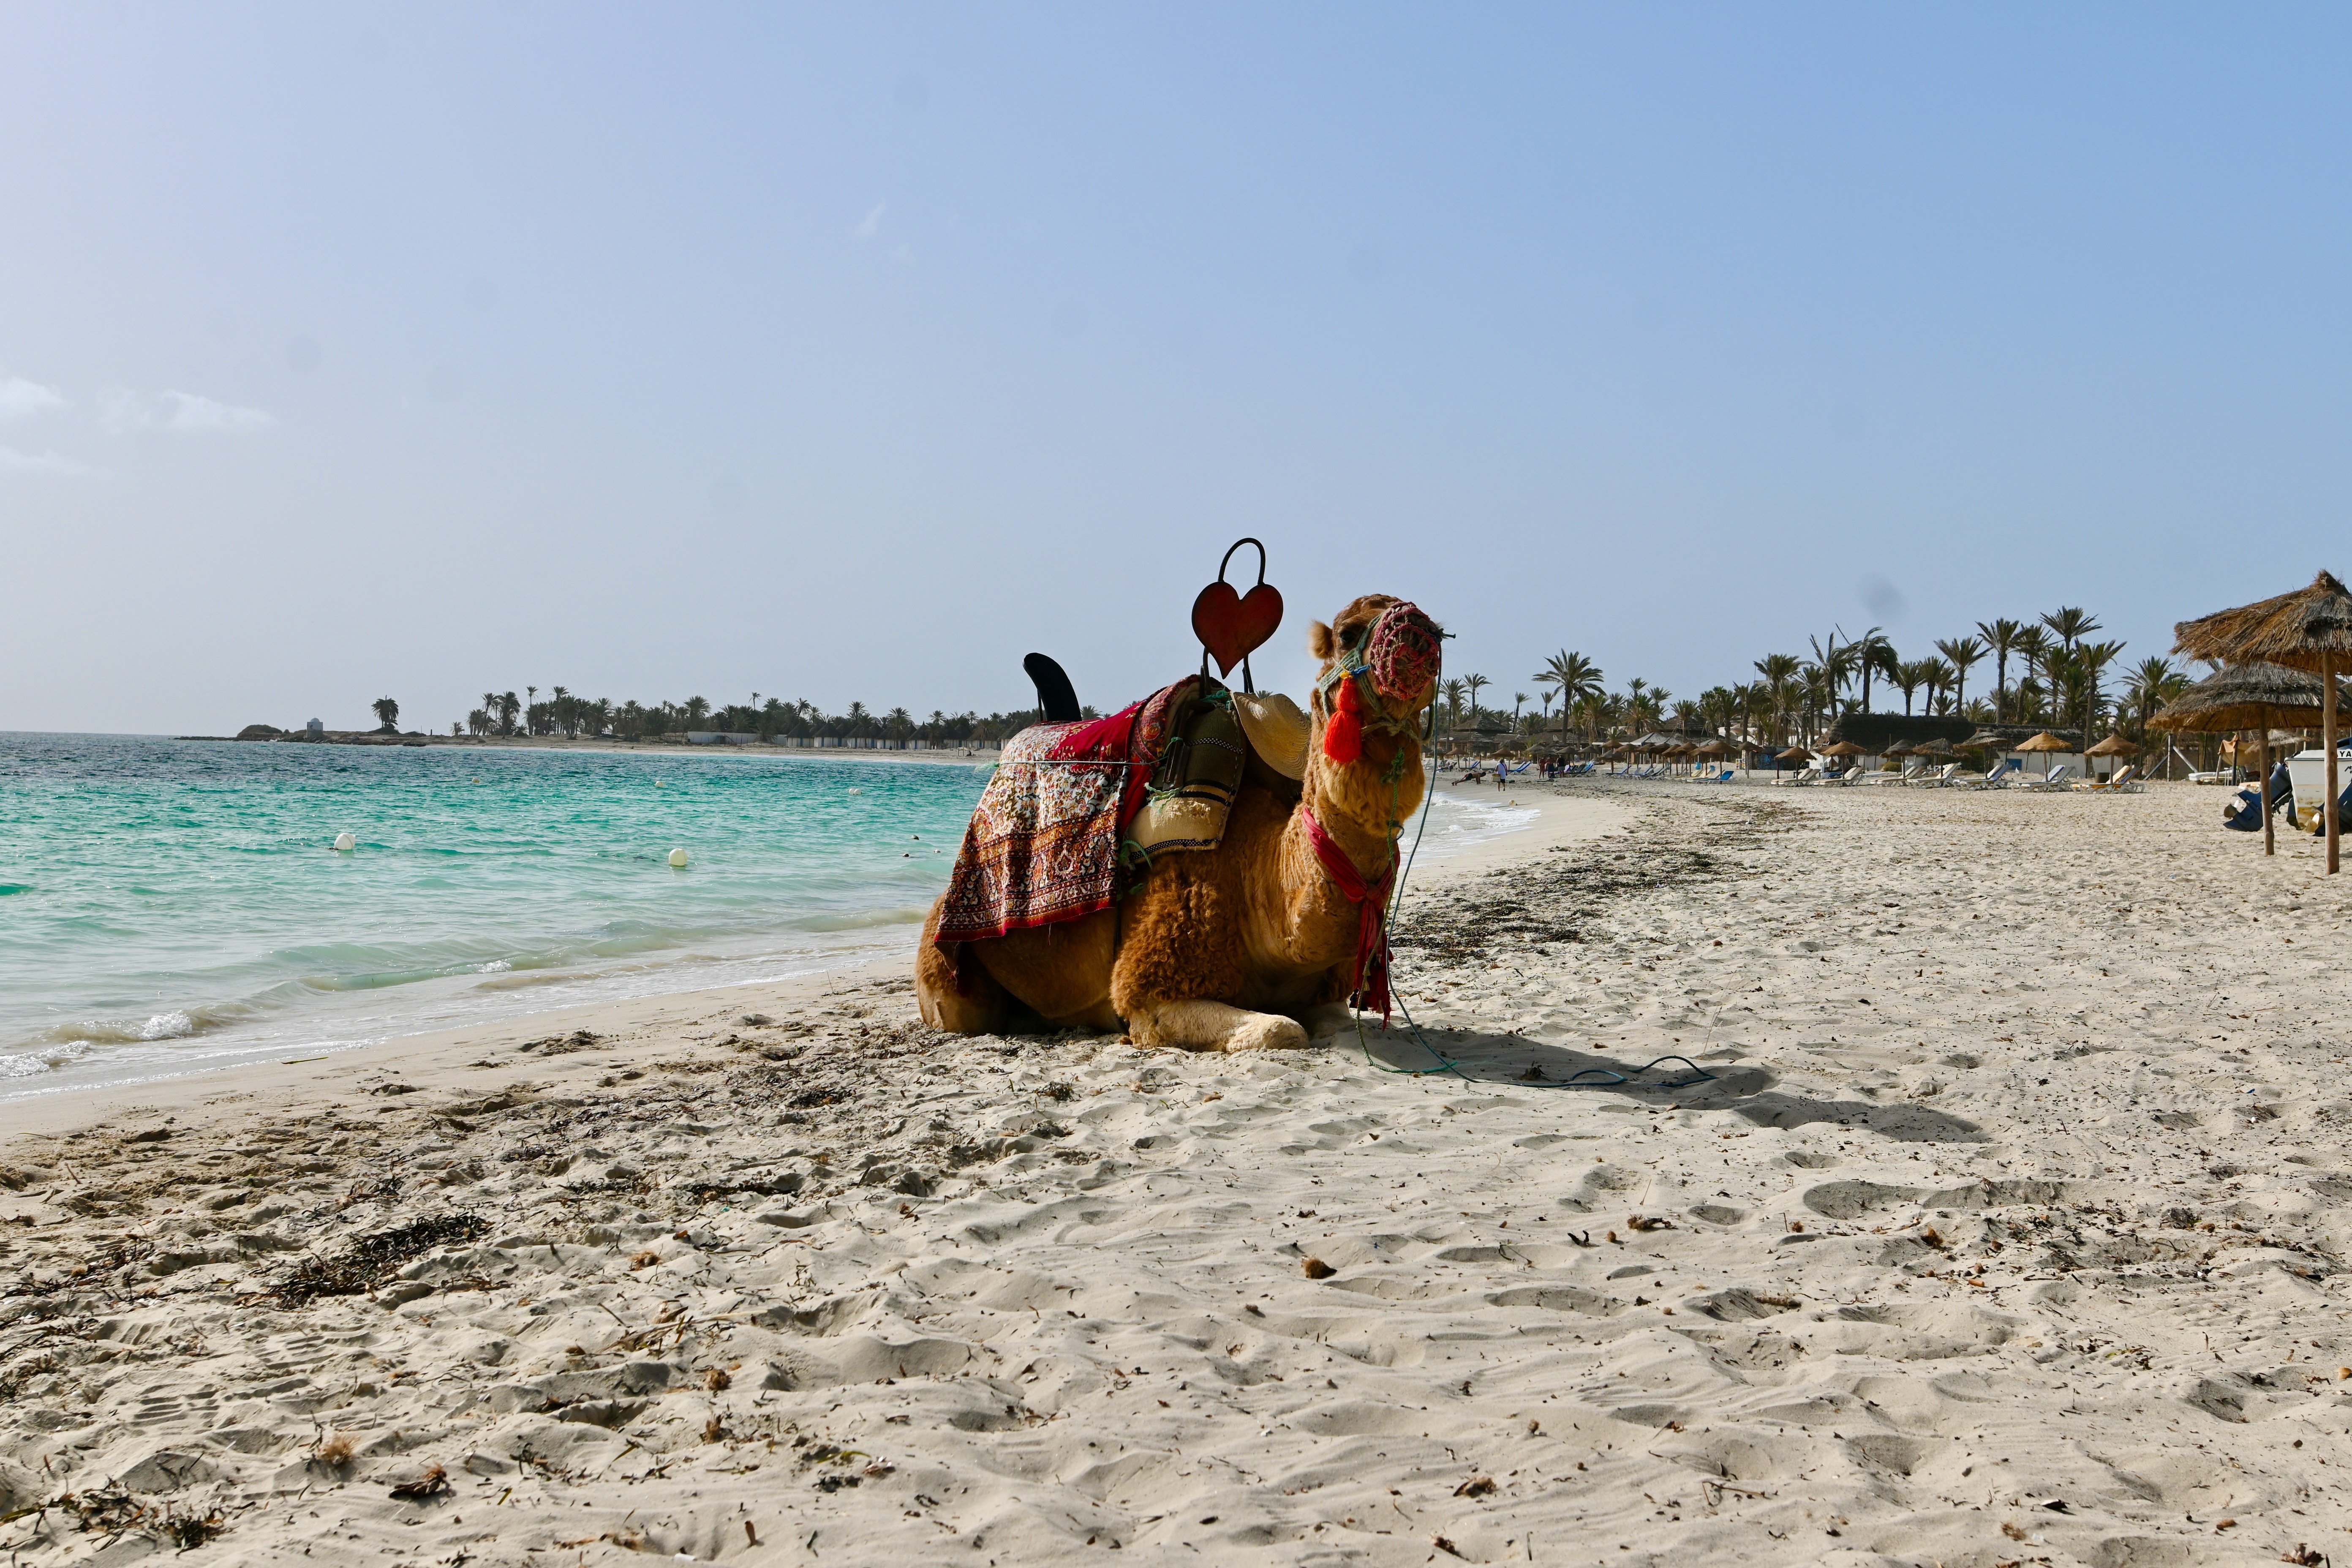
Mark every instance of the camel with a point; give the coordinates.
(1250, 945)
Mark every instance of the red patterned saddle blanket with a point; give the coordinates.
(1044, 843)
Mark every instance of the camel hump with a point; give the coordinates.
(1055, 695)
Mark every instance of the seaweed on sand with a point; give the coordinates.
(369, 1260)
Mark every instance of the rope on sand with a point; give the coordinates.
(1588, 1078)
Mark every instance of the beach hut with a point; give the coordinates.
(2249, 696)
(2310, 630)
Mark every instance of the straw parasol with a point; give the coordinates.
(1982, 741)
(2249, 696)
(1842, 749)
(1790, 752)
(2045, 742)
(2309, 629)
(1939, 747)
(1714, 748)
(2113, 746)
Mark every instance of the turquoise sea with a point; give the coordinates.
(170, 906)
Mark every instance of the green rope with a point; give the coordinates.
(1589, 1077)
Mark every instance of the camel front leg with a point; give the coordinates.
(1329, 1018)
(1214, 1027)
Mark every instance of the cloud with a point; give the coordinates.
(21, 399)
(120, 412)
(873, 224)
(11, 461)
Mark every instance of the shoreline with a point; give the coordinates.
(1559, 820)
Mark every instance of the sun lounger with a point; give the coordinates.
(2123, 780)
(2054, 779)
(1810, 774)
(1936, 780)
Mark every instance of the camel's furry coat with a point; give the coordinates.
(1239, 946)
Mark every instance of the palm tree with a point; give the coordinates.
(387, 712)
(696, 710)
(1779, 670)
(2094, 658)
(2152, 683)
(509, 706)
(1940, 679)
(1962, 652)
(1518, 700)
(1473, 684)
(1906, 676)
(2001, 638)
(2032, 645)
(2070, 624)
(1455, 691)
(1872, 654)
(1837, 662)
(1572, 679)
(531, 701)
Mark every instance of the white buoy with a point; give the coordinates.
(858, 791)
(346, 843)
(678, 858)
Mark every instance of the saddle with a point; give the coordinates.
(1221, 738)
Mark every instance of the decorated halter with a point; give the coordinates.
(1401, 655)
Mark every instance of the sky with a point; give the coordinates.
(851, 352)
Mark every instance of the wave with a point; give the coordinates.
(179, 1024)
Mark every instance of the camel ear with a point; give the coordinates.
(1319, 641)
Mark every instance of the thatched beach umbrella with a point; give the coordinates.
(2252, 696)
(2045, 742)
(2310, 629)
(2113, 746)
(1938, 747)
(1842, 749)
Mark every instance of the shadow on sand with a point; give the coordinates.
(1515, 1062)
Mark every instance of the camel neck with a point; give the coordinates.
(1368, 845)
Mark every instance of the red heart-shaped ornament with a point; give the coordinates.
(1230, 625)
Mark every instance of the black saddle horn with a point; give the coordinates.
(1055, 695)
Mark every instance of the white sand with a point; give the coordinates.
(2008, 1232)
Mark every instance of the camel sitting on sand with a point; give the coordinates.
(1251, 944)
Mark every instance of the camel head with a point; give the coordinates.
(1380, 661)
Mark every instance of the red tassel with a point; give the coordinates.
(1343, 732)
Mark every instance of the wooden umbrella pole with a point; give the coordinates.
(2264, 752)
(2327, 737)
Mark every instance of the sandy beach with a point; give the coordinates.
(2008, 1228)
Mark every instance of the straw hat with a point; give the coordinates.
(1277, 731)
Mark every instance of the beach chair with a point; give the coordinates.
(1810, 774)
(1938, 779)
(2122, 780)
(2004, 774)
(2054, 779)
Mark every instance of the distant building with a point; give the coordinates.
(315, 730)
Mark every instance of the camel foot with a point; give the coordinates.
(1331, 1018)
(1266, 1032)
(1214, 1027)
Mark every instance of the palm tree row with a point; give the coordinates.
(2064, 678)
(565, 714)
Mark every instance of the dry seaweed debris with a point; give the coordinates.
(371, 1260)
